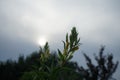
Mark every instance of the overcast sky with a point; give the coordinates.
(24, 22)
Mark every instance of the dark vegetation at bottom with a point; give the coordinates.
(13, 70)
(44, 65)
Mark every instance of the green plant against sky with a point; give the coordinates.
(59, 71)
(59, 67)
(47, 65)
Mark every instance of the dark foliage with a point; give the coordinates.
(13, 70)
(102, 71)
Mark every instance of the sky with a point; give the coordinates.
(24, 22)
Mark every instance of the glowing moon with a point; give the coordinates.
(42, 41)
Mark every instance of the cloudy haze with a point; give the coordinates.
(24, 22)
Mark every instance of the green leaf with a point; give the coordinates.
(70, 57)
(75, 48)
(60, 55)
(67, 37)
(63, 43)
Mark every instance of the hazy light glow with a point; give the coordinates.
(42, 41)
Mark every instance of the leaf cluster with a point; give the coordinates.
(71, 44)
(59, 71)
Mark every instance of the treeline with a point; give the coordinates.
(13, 70)
(44, 65)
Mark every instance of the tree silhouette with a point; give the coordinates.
(103, 70)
